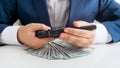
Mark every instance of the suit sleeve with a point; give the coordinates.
(109, 16)
(8, 13)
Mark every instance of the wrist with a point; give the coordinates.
(19, 34)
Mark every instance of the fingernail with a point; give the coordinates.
(76, 24)
(48, 27)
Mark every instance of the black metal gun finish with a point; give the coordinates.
(56, 32)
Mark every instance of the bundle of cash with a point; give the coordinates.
(59, 49)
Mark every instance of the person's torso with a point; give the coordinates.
(36, 11)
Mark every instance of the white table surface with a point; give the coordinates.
(103, 56)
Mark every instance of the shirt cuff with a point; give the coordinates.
(102, 35)
(9, 35)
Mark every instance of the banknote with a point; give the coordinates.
(58, 49)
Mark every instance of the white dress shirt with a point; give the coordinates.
(58, 12)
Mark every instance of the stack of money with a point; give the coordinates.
(59, 49)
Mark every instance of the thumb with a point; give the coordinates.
(35, 26)
(80, 23)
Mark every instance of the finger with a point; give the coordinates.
(38, 43)
(37, 26)
(80, 23)
(79, 32)
(47, 39)
(77, 41)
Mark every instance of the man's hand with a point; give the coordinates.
(78, 37)
(26, 35)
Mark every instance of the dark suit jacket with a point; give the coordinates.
(105, 11)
